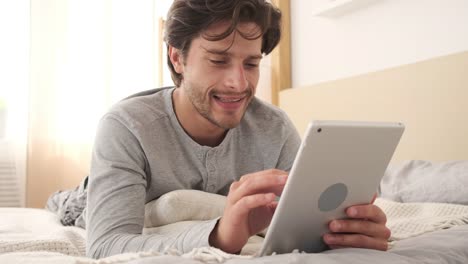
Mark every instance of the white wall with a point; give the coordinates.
(374, 36)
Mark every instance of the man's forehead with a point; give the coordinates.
(228, 52)
(248, 28)
(225, 46)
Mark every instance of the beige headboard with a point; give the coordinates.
(430, 97)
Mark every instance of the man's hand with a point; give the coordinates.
(365, 229)
(249, 208)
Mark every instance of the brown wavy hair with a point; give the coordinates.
(187, 19)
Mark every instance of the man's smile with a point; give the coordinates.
(230, 101)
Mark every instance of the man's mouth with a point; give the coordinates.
(230, 102)
(229, 99)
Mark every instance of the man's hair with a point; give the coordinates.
(187, 19)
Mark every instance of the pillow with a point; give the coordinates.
(426, 181)
(183, 205)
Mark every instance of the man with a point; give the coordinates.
(209, 133)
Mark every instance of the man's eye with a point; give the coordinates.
(218, 62)
(252, 65)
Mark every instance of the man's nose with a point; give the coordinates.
(236, 79)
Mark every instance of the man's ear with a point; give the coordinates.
(175, 55)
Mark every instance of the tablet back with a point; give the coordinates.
(339, 164)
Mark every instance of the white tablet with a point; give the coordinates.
(339, 164)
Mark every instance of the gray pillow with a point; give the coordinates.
(426, 181)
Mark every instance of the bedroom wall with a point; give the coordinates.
(372, 35)
(429, 97)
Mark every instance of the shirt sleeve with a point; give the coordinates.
(290, 147)
(117, 195)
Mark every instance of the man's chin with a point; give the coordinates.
(226, 120)
(227, 123)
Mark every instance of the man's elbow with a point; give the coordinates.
(97, 249)
(93, 250)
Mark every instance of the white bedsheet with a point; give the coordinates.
(440, 247)
(27, 229)
(36, 236)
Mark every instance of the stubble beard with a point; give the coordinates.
(203, 108)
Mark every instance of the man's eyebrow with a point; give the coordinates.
(226, 53)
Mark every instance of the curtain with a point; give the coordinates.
(14, 81)
(65, 62)
(85, 56)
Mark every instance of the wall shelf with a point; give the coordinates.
(330, 8)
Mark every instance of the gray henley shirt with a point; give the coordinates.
(141, 152)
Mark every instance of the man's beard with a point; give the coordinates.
(203, 107)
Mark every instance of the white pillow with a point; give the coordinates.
(425, 181)
(183, 205)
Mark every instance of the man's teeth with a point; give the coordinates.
(228, 100)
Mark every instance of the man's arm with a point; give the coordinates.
(251, 201)
(249, 208)
(116, 198)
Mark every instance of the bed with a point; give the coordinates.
(423, 191)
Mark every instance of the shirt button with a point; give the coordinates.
(211, 168)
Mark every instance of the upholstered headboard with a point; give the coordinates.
(430, 97)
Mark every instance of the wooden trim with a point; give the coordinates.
(281, 55)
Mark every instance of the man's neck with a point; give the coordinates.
(200, 129)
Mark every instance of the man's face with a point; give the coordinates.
(220, 77)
